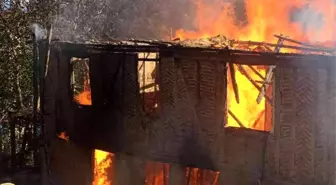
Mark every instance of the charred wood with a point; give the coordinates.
(236, 118)
(303, 43)
(287, 46)
(243, 71)
(256, 72)
(234, 82)
(258, 119)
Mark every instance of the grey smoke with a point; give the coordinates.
(121, 19)
(40, 33)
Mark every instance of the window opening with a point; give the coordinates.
(249, 97)
(80, 81)
(149, 80)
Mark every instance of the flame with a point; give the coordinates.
(63, 136)
(84, 98)
(264, 19)
(248, 110)
(102, 167)
(156, 173)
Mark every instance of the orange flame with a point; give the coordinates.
(63, 136)
(248, 110)
(264, 19)
(102, 167)
(156, 173)
(84, 98)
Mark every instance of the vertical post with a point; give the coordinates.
(129, 170)
(269, 108)
(269, 73)
(176, 175)
(44, 147)
(35, 94)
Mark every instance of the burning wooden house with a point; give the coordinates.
(202, 112)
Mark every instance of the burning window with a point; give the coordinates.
(80, 81)
(103, 168)
(148, 80)
(156, 173)
(249, 97)
(195, 176)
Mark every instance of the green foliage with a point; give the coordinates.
(16, 66)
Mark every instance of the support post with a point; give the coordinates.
(176, 175)
(129, 170)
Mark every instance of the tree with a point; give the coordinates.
(16, 59)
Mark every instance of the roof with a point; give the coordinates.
(214, 48)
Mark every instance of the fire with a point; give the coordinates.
(248, 110)
(84, 98)
(102, 165)
(156, 173)
(63, 136)
(264, 19)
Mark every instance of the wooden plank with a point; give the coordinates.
(65, 114)
(50, 96)
(298, 153)
(96, 80)
(331, 127)
(304, 142)
(115, 94)
(321, 128)
(70, 164)
(239, 57)
(128, 170)
(233, 81)
(177, 174)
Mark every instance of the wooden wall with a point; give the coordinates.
(189, 130)
(70, 163)
(302, 148)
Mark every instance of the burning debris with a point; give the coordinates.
(218, 41)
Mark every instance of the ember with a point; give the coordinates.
(63, 136)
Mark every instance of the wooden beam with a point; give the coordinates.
(269, 73)
(242, 70)
(147, 86)
(258, 119)
(176, 174)
(236, 118)
(303, 43)
(287, 46)
(129, 170)
(256, 72)
(262, 82)
(234, 82)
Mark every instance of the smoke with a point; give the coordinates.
(121, 19)
(39, 32)
(317, 21)
(103, 20)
